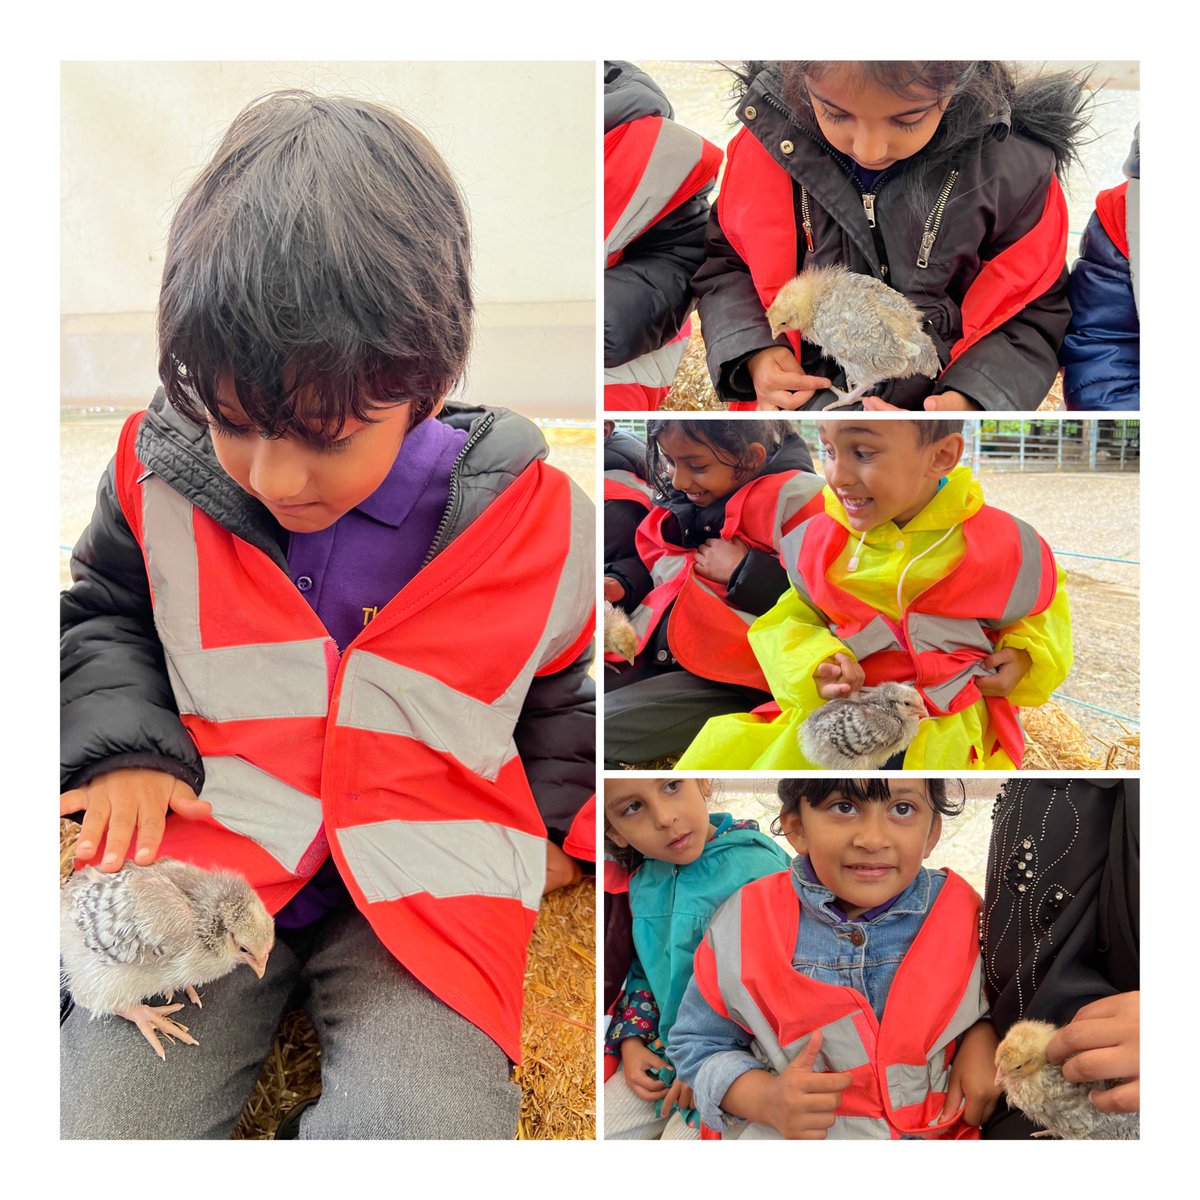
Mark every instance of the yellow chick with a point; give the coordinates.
(619, 635)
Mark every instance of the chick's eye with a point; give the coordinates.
(243, 950)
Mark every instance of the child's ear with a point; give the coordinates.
(614, 837)
(947, 454)
(793, 829)
(437, 408)
(935, 833)
(758, 454)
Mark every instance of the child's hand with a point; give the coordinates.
(950, 402)
(125, 800)
(973, 1087)
(678, 1094)
(802, 1103)
(717, 559)
(637, 1061)
(1103, 1042)
(839, 676)
(779, 380)
(1012, 665)
(614, 593)
(561, 869)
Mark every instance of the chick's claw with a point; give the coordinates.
(149, 1018)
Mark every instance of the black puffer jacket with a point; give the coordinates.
(648, 294)
(996, 198)
(117, 706)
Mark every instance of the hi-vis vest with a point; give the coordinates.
(900, 1065)
(757, 214)
(651, 167)
(1006, 574)
(707, 635)
(625, 485)
(1117, 212)
(397, 756)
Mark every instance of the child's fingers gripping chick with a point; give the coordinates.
(839, 676)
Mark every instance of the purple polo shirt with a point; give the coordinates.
(349, 571)
(869, 915)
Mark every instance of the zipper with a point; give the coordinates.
(934, 221)
(869, 208)
(452, 498)
(806, 218)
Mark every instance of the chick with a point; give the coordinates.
(619, 636)
(1039, 1090)
(861, 732)
(155, 930)
(872, 330)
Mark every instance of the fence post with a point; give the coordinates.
(1093, 443)
(1060, 443)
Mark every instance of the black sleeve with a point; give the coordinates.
(757, 583)
(117, 708)
(648, 294)
(621, 561)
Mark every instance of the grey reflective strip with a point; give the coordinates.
(876, 636)
(927, 632)
(943, 693)
(655, 368)
(793, 496)
(676, 152)
(842, 1048)
(1133, 205)
(249, 801)
(228, 683)
(575, 596)
(393, 859)
(907, 1083)
(667, 567)
(789, 553)
(630, 480)
(1028, 582)
(859, 1128)
(971, 1008)
(386, 697)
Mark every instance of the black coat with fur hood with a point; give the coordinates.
(997, 196)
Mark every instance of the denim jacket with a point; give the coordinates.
(710, 1052)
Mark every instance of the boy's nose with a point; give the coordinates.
(277, 471)
(870, 144)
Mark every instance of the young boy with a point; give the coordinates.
(856, 977)
(344, 643)
(908, 575)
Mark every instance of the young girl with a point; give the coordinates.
(940, 178)
(685, 864)
(705, 564)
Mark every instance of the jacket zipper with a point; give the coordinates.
(452, 498)
(934, 221)
(869, 208)
(806, 218)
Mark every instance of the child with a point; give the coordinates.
(855, 976)
(704, 564)
(940, 178)
(686, 864)
(907, 575)
(360, 634)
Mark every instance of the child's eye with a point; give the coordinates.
(671, 786)
(864, 455)
(334, 447)
(631, 809)
(912, 124)
(231, 431)
(904, 808)
(833, 118)
(842, 807)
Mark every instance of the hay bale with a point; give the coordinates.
(1054, 741)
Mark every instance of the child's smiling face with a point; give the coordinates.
(866, 851)
(870, 123)
(880, 471)
(698, 472)
(307, 487)
(666, 819)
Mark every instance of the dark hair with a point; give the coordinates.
(321, 263)
(1052, 108)
(931, 429)
(792, 792)
(630, 858)
(730, 442)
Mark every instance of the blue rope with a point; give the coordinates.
(1094, 708)
(1133, 562)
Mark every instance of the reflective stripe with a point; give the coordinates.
(793, 496)
(386, 697)
(634, 482)
(1028, 581)
(666, 567)
(575, 596)
(877, 635)
(1133, 237)
(860, 1128)
(228, 683)
(394, 859)
(942, 694)
(842, 1047)
(790, 550)
(908, 1083)
(247, 800)
(929, 632)
(971, 1008)
(655, 368)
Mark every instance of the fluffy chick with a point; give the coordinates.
(155, 930)
(619, 635)
(873, 331)
(1039, 1090)
(861, 732)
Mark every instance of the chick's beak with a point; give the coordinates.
(258, 963)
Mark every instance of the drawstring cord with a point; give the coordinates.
(900, 585)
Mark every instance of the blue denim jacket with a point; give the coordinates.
(710, 1051)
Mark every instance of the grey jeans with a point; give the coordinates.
(395, 1061)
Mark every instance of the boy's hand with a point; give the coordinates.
(561, 869)
(950, 402)
(839, 676)
(1012, 665)
(1102, 1042)
(973, 1077)
(802, 1103)
(614, 593)
(779, 381)
(637, 1061)
(717, 559)
(120, 802)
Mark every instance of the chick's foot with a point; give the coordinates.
(149, 1018)
(845, 399)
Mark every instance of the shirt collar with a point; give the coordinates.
(822, 903)
(410, 475)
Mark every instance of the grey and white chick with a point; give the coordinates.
(861, 732)
(155, 930)
(620, 637)
(1038, 1089)
(872, 330)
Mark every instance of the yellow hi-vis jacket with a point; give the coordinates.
(792, 640)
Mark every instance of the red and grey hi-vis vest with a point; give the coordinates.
(1006, 574)
(651, 167)
(757, 214)
(625, 485)
(901, 1064)
(1117, 210)
(707, 635)
(396, 756)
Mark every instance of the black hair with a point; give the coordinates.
(730, 442)
(931, 429)
(793, 792)
(320, 264)
(630, 858)
(983, 98)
